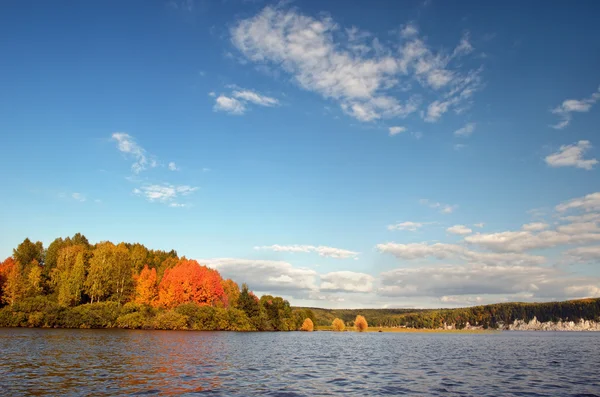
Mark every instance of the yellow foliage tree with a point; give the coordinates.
(338, 325)
(307, 325)
(360, 323)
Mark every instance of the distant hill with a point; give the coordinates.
(492, 316)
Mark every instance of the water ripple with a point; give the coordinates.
(108, 362)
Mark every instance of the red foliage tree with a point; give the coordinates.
(5, 268)
(189, 282)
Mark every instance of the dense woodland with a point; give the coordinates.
(489, 316)
(75, 284)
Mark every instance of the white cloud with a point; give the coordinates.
(459, 229)
(256, 98)
(479, 225)
(452, 251)
(346, 281)
(464, 47)
(396, 130)
(78, 197)
(356, 71)
(409, 30)
(535, 226)
(569, 106)
(324, 251)
(459, 98)
(127, 144)
(165, 193)
(591, 202)
(584, 254)
(466, 130)
(572, 156)
(229, 105)
(520, 241)
(459, 146)
(576, 229)
(442, 208)
(409, 226)
(265, 275)
(173, 167)
(533, 282)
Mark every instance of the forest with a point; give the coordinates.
(75, 284)
(487, 317)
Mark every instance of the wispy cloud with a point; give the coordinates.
(229, 105)
(396, 130)
(172, 166)
(572, 156)
(441, 207)
(237, 102)
(256, 98)
(165, 193)
(322, 250)
(466, 130)
(78, 196)
(461, 230)
(128, 145)
(356, 69)
(566, 109)
(407, 226)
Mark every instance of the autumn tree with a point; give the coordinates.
(139, 257)
(307, 325)
(232, 293)
(5, 269)
(189, 281)
(360, 323)
(33, 283)
(146, 289)
(68, 277)
(15, 285)
(338, 325)
(109, 275)
(51, 259)
(27, 251)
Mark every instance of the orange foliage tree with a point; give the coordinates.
(307, 325)
(188, 281)
(146, 289)
(338, 325)
(232, 293)
(360, 323)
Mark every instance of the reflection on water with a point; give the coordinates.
(111, 362)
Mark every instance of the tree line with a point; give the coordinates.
(494, 316)
(75, 284)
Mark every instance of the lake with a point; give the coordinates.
(111, 362)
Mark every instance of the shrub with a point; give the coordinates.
(93, 315)
(134, 320)
(170, 320)
(36, 319)
(338, 325)
(360, 323)
(307, 325)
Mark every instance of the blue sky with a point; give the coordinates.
(375, 154)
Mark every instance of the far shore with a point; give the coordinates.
(413, 330)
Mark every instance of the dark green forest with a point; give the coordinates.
(489, 316)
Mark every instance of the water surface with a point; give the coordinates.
(121, 362)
